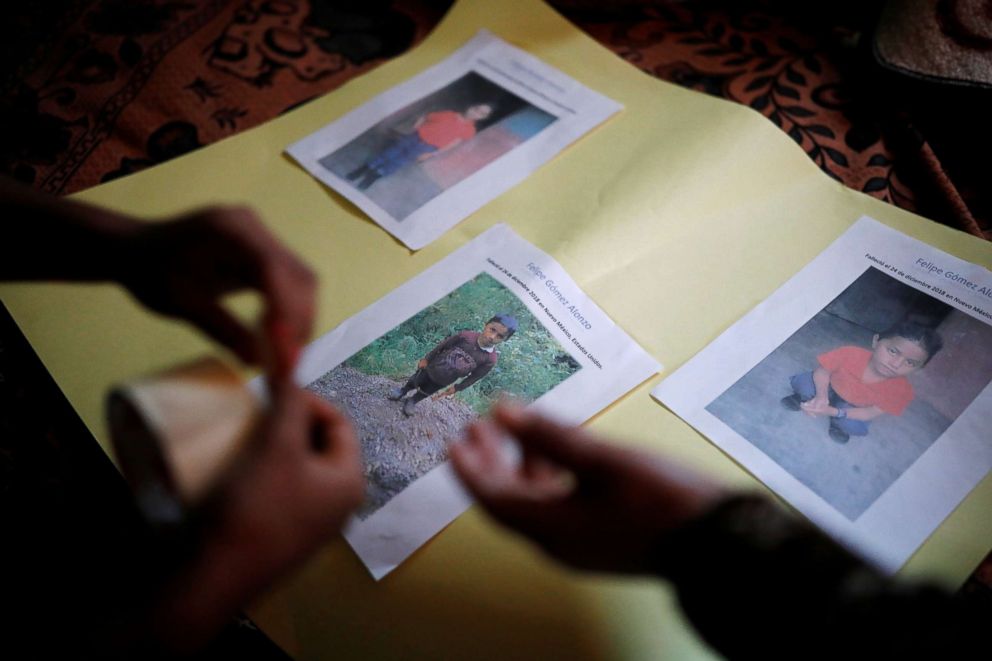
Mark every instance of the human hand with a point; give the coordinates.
(293, 488)
(184, 266)
(297, 484)
(444, 393)
(590, 504)
(817, 407)
(422, 364)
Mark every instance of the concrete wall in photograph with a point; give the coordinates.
(961, 370)
(877, 301)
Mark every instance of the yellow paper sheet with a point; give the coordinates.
(677, 216)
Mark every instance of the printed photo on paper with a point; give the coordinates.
(870, 404)
(853, 398)
(496, 318)
(425, 154)
(417, 153)
(412, 390)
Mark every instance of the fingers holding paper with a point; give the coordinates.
(587, 502)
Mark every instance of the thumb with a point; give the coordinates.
(570, 447)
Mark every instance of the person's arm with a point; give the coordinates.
(590, 504)
(181, 267)
(438, 348)
(447, 392)
(820, 406)
(448, 147)
(754, 581)
(292, 491)
(52, 238)
(746, 566)
(865, 413)
(300, 478)
(474, 376)
(437, 152)
(821, 382)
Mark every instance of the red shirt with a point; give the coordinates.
(847, 367)
(440, 129)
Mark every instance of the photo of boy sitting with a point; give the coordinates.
(854, 385)
(433, 133)
(464, 357)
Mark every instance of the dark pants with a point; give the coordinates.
(802, 385)
(423, 384)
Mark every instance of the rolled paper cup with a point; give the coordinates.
(175, 433)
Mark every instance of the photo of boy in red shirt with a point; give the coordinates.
(433, 133)
(854, 385)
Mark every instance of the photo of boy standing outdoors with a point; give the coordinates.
(456, 363)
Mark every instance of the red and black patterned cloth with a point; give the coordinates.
(96, 90)
(93, 90)
(104, 88)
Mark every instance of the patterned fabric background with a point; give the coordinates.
(120, 85)
(99, 89)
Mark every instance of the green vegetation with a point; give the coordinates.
(530, 363)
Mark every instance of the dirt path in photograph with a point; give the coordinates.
(396, 449)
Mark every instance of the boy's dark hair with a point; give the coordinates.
(928, 339)
(507, 320)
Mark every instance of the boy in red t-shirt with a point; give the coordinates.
(854, 385)
(433, 134)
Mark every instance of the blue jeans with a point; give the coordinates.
(399, 153)
(802, 384)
